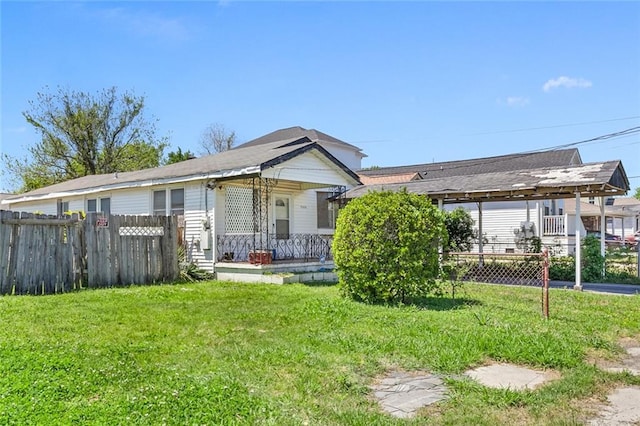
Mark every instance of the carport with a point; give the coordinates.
(604, 179)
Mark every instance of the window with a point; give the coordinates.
(104, 203)
(62, 206)
(325, 211)
(177, 201)
(160, 203)
(592, 200)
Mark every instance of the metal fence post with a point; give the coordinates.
(545, 283)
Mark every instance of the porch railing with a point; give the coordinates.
(301, 247)
(554, 225)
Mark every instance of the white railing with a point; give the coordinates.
(554, 225)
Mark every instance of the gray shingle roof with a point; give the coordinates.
(236, 162)
(296, 132)
(593, 179)
(502, 163)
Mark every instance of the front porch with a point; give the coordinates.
(278, 259)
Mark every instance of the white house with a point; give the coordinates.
(269, 197)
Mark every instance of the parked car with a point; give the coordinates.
(609, 239)
(633, 239)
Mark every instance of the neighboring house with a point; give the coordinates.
(506, 224)
(269, 195)
(622, 214)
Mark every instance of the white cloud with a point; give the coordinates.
(517, 101)
(564, 81)
(514, 101)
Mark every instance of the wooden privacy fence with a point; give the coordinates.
(45, 254)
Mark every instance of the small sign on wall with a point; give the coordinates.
(102, 222)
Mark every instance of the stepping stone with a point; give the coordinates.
(623, 408)
(508, 376)
(402, 394)
(631, 364)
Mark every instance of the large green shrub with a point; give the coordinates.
(386, 247)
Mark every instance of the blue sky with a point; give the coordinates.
(409, 82)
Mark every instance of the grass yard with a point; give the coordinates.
(222, 353)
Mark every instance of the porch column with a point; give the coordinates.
(578, 284)
(480, 236)
(603, 227)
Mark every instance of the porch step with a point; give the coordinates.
(278, 278)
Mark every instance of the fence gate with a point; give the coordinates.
(45, 254)
(529, 269)
(39, 254)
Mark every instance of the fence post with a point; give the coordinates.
(545, 282)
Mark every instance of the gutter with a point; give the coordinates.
(135, 184)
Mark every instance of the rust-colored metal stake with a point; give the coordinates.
(545, 283)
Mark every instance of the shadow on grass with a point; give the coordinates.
(319, 284)
(435, 303)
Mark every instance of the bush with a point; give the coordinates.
(459, 226)
(386, 247)
(592, 260)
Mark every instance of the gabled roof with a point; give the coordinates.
(593, 179)
(233, 163)
(298, 132)
(502, 163)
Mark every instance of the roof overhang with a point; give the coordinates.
(590, 180)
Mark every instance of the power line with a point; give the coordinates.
(554, 126)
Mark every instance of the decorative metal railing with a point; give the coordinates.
(301, 247)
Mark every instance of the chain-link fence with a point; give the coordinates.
(527, 269)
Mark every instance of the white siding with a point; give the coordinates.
(44, 207)
(199, 204)
(499, 219)
(348, 156)
(308, 167)
(130, 201)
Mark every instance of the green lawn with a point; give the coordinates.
(221, 353)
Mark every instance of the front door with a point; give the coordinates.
(282, 216)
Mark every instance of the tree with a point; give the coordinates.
(216, 138)
(178, 156)
(637, 195)
(459, 226)
(385, 247)
(85, 134)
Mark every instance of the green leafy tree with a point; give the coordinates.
(386, 247)
(85, 134)
(459, 226)
(637, 195)
(178, 156)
